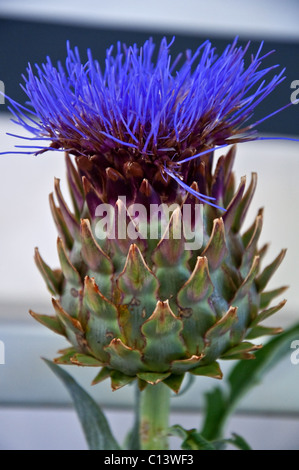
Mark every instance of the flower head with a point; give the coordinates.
(146, 129)
(162, 114)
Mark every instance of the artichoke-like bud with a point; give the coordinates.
(152, 309)
(135, 296)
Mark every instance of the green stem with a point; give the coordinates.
(154, 417)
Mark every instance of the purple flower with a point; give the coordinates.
(163, 112)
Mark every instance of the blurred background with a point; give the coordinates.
(35, 410)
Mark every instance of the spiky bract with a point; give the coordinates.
(145, 130)
(151, 309)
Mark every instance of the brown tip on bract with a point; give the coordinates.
(113, 174)
(133, 170)
(145, 188)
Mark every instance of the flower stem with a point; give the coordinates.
(154, 417)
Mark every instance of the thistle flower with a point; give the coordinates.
(145, 130)
(151, 118)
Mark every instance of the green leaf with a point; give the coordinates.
(247, 374)
(192, 440)
(95, 426)
(215, 411)
(239, 442)
(178, 431)
(196, 441)
(244, 376)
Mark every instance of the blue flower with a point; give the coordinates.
(158, 110)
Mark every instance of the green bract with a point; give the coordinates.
(142, 131)
(153, 310)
